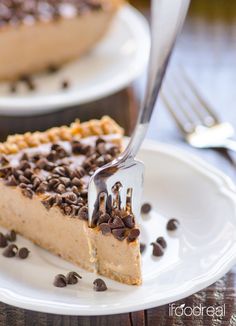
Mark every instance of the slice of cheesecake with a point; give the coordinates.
(37, 34)
(43, 185)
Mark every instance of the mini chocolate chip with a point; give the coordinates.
(24, 157)
(83, 213)
(24, 180)
(60, 189)
(60, 281)
(13, 88)
(119, 234)
(52, 156)
(60, 170)
(99, 140)
(76, 147)
(11, 181)
(142, 247)
(23, 253)
(99, 285)
(116, 223)
(10, 251)
(3, 241)
(11, 236)
(77, 182)
(4, 160)
(42, 163)
(70, 198)
(48, 202)
(162, 242)
(103, 218)
(65, 181)
(129, 221)
(28, 173)
(72, 278)
(27, 192)
(104, 228)
(157, 249)
(65, 84)
(172, 224)
(24, 165)
(146, 208)
(101, 148)
(133, 235)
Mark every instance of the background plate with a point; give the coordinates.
(204, 248)
(118, 59)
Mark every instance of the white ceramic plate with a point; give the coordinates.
(118, 59)
(203, 249)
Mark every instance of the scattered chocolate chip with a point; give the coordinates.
(99, 285)
(60, 189)
(48, 202)
(13, 88)
(70, 198)
(162, 242)
(172, 224)
(129, 221)
(116, 223)
(146, 208)
(4, 160)
(11, 236)
(104, 228)
(119, 234)
(142, 247)
(10, 251)
(23, 253)
(72, 278)
(60, 281)
(65, 84)
(133, 235)
(3, 241)
(77, 182)
(103, 218)
(11, 181)
(157, 249)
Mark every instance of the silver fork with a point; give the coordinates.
(120, 182)
(197, 121)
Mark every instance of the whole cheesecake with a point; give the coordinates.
(36, 34)
(43, 185)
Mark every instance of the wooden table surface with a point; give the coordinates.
(207, 48)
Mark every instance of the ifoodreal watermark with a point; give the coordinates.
(198, 310)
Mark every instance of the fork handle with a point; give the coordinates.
(166, 22)
(230, 144)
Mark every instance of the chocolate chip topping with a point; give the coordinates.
(172, 224)
(23, 253)
(3, 241)
(72, 278)
(129, 221)
(60, 281)
(99, 285)
(11, 236)
(146, 208)
(119, 234)
(10, 251)
(157, 249)
(133, 235)
(162, 242)
(104, 228)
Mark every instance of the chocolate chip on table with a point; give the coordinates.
(146, 208)
(10, 251)
(142, 247)
(172, 224)
(3, 241)
(11, 236)
(162, 242)
(23, 253)
(99, 285)
(72, 278)
(65, 84)
(133, 235)
(60, 281)
(157, 251)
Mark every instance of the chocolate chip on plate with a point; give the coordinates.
(172, 224)
(72, 278)
(157, 251)
(23, 253)
(3, 241)
(142, 247)
(11, 236)
(146, 208)
(10, 251)
(60, 281)
(99, 285)
(162, 242)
